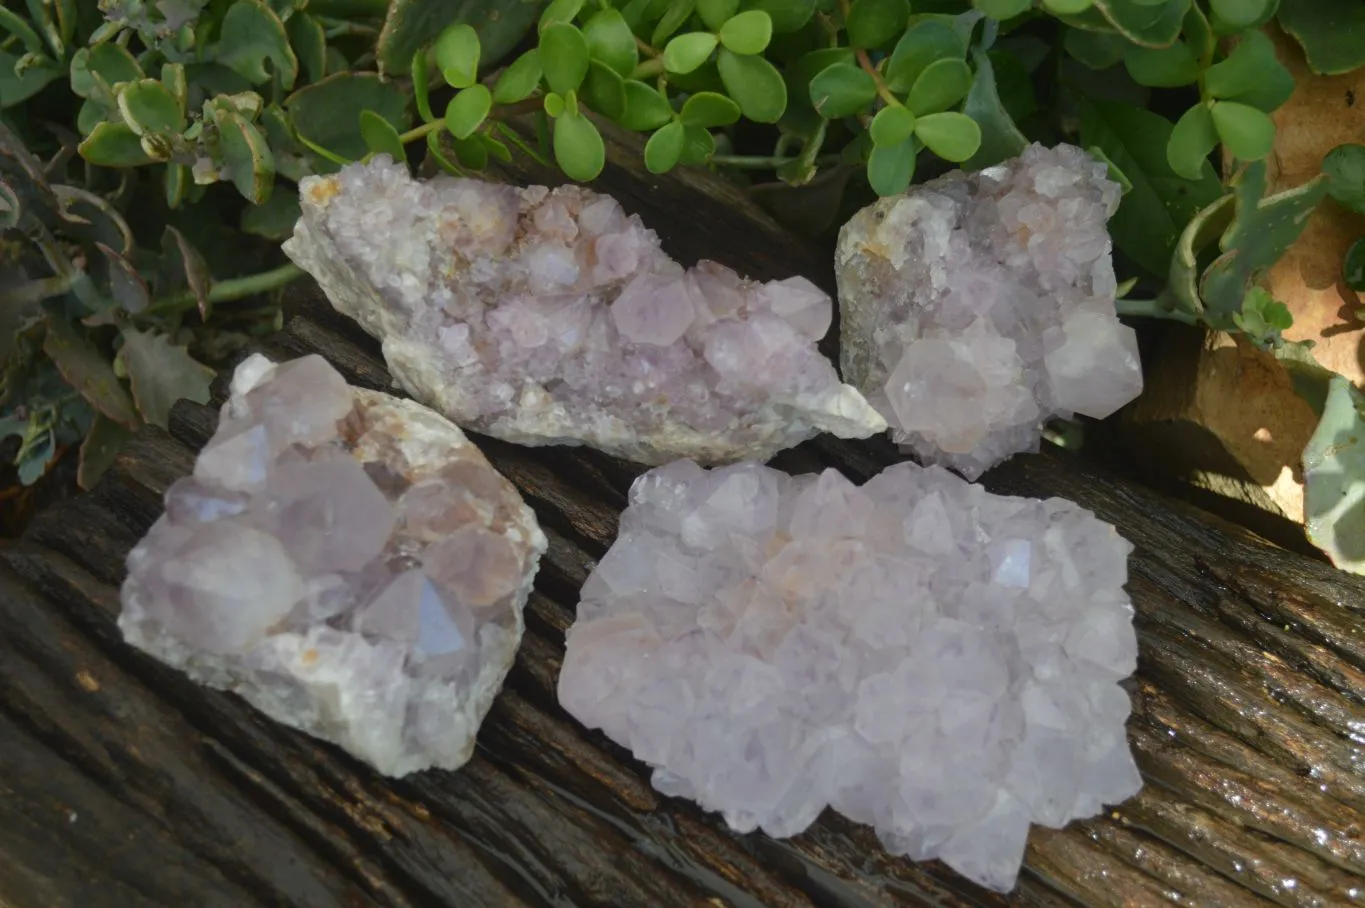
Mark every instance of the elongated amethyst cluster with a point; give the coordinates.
(551, 317)
(346, 561)
(917, 653)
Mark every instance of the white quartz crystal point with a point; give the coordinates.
(551, 317)
(976, 307)
(346, 561)
(917, 653)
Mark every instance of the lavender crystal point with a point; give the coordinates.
(919, 654)
(346, 561)
(551, 317)
(978, 306)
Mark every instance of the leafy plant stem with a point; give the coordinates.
(646, 49)
(238, 287)
(654, 66)
(760, 162)
(1154, 308)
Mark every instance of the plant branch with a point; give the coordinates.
(647, 49)
(1154, 309)
(237, 288)
(883, 91)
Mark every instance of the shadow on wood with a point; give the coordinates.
(124, 784)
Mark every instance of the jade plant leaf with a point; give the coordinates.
(326, 114)
(252, 34)
(248, 157)
(1334, 478)
(413, 24)
(1332, 32)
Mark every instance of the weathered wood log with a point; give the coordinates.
(124, 784)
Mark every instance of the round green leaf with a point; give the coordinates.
(251, 34)
(709, 109)
(1251, 74)
(380, 136)
(421, 87)
(787, 15)
(1068, 7)
(95, 71)
(678, 12)
(563, 57)
(559, 11)
(324, 114)
(952, 136)
(872, 23)
(1345, 169)
(715, 13)
(689, 51)
(578, 147)
(520, 80)
(611, 42)
(554, 105)
(1191, 141)
(754, 84)
(942, 84)
(467, 110)
(747, 33)
(664, 148)
(892, 126)
(247, 156)
(114, 145)
(646, 109)
(923, 43)
(1161, 67)
(1247, 132)
(698, 145)
(891, 167)
(148, 106)
(604, 91)
(1003, 9)
(456, 53)
(1239, 14)
(471, 153)
(842, 90)
(1353, 268)
(1097, 50)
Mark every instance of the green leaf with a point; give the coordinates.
(1331, 32)
(414, 24)
(310, 45)
(248, 157)
(698, 145)
(1247, 132)
(471, 152)
(788, 15)
(842, 90)
(380, 136)
(467, 110)
(1345, 169)
(85, 369)
(554, 105)
(1000, 137)
(1353, 266)
(161, 373)
(747, 33)
(189, 267)
(679, 11)
(126, 286)
(326, 115)
(251, 34)
(1002, 9)
(754, 84)
(709, 109)
(1202, 231)
(611, 42)
(891, 167)
(1068, 7)
(16, 89)
(148, 106)
(872, 23)
(1263, 318)
(1161, 67)
(892, 126)
(1263, 228)
(1251, 75)
(646, 109)
(558, 12)
(578, 147)
(715, 13)
(1151, 216)
(1115, 173)
(95, 71)
(1150, 24)
(495, 148)
(520, 80)
(437, 154)
(421, 87)
(456, 53)
(664, 148)
(941, 85)
(1239, 14)
(102, 444)
(925, 42)
(1097, 50)
(1334, 478)
(604, 91)
(563, 57)
(114, 145)
(1192, 141)
(952, 136)
(687, 52)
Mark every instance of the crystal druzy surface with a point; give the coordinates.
(346, 561)
(978, 306)
(551, 317)
(917, 653)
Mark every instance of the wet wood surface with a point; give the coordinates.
(124, 784)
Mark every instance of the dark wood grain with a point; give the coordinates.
(123, 784)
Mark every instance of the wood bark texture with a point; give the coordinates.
(123, 784)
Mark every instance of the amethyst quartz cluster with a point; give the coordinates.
(346, 561)
(977, 306)
(917, 653)
(546, 316)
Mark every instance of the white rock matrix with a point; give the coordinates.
(345, 561)
(978, 306)
(919, 654)
(550, 317)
